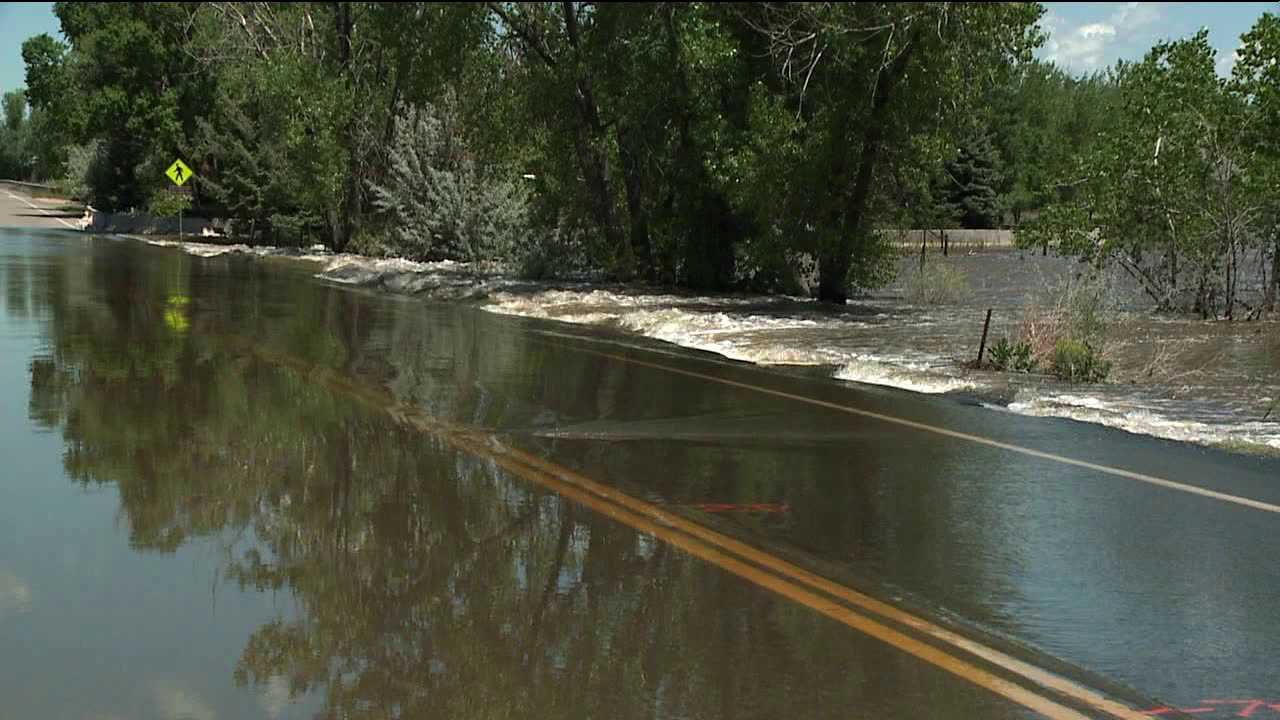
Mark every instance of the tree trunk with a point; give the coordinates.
(595, 172)
(592, 157)
(835, 258)
(1231, 281)
(1273, 288)
(708, 255)
(633, 183)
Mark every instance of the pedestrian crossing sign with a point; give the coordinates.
(178, 172)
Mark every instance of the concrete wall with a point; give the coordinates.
(141, 224)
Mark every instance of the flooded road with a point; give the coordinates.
(231, 490)
(1174, 376)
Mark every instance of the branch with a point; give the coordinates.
(524, 32)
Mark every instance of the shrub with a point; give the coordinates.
(1067, 334)
(936, 284)
(84, 163)
(1016, 356)
(1078, 361)
(437, 202)
(167, 203)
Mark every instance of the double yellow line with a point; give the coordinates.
(1019, 682)
(844, 605)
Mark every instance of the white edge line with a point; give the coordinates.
(46, 212)
(978, 439)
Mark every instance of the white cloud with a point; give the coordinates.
(1082, 47)
(1134, 15)
(1086, 46)
(1226, 61)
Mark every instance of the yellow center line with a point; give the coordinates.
(511, 460)
(946, 432)
(754, 565)
(666, 519)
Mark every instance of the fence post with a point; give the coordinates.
(982, 346)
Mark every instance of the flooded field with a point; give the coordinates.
(1174, 377)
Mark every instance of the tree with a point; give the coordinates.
(861, 80)
(1174, 190)
(1256, 78)
(970, 181)
(1041, 121)
(15, 136)
(15, 109)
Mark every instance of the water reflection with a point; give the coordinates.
(225, 399)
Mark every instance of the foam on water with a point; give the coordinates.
(721, 325)
(904, 374)
(890, 344)
(1132, 415)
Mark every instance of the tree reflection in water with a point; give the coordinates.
(429, 582)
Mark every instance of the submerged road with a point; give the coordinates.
(417, 509)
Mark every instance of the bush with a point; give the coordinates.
(936, 284)
(167, 203)
(1078, 361)
(437, 203)
(84, 162)
(1068, 333)
(1009, 356)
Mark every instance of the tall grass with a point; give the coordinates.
(936, 284)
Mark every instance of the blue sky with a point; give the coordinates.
(1084, 36)
(19, 21)
(1087, 36)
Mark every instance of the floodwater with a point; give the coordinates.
(1177, 377)
(211, 507)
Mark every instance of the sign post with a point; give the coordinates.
(179, 173)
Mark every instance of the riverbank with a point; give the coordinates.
(1211, 383)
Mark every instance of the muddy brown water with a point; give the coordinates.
(206, 513)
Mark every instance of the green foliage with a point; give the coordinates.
(15, 137)
(1013, 356)
(937, 283)
(1174, 190)
(856, 113)
(84, 166)
(1043, 120)
(168, 203)
(970, 181)
(668, 142)
(14, 109)
(437, 203)
(1078, 361)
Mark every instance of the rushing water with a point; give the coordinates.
(1174, 377)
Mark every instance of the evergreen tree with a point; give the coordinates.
(970, 182)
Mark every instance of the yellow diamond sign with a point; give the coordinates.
(178, 172)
